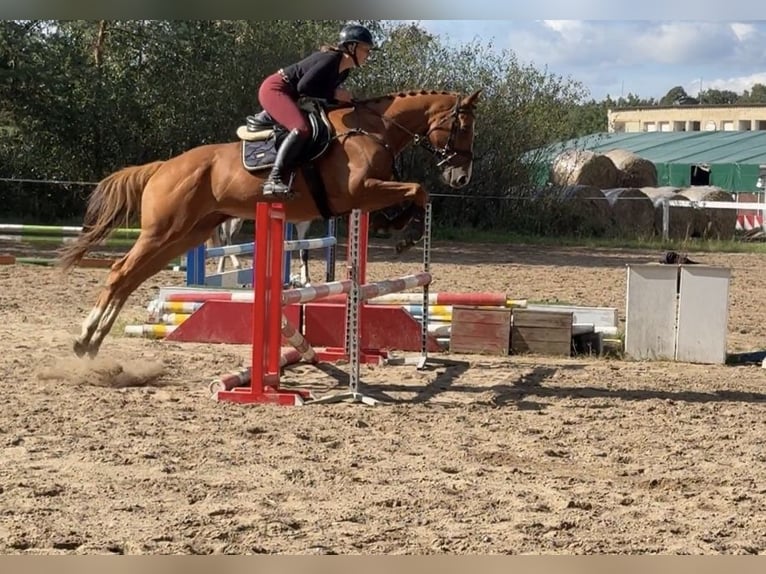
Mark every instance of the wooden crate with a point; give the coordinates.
(541, 332)
(480, 330)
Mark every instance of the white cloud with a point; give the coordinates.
(743, 30)
(593, 43)
(685, 42)
(737, 84)
(642, 57)
(564, 26)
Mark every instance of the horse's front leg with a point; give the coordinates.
(380, 194)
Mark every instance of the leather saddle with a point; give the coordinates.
(262, 126)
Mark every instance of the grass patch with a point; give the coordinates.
(735, 245)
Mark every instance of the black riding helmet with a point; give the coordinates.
(354, 33)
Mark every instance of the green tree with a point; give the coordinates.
(755, 95)
(586, 118)
(677, 96)
(716, 97)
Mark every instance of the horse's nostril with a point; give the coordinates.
(462, 180)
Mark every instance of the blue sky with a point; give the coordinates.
(628, 56)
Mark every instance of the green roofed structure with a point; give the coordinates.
(731, 160)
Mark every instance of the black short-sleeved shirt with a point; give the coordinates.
(317, 75)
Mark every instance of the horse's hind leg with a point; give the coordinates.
(148, 256)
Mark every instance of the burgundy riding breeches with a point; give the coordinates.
(277, 97)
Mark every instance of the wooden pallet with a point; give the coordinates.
(483, 331)
(541, 332)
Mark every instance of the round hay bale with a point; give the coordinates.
(586, 208)
(633, 170)
(583, 167)
(712, 223)
(680, 225)
(632, 212)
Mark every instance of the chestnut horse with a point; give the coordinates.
(182, 200)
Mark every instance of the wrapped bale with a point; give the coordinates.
(711, 223)
(583, 167)
(633, 170)
(585, 208)
(632, 212)
(680, 225)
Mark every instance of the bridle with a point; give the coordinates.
(443, 154)
(448, 152)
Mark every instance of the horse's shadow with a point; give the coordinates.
(528, 392)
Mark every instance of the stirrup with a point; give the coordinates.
(272, 188)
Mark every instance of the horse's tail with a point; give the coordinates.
(111, 204)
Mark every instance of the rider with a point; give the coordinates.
(319, 75)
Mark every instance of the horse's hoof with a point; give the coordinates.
(79, 348)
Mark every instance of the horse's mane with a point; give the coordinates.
(390, 98)
(411, 93)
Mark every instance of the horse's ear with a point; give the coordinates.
(470, 101)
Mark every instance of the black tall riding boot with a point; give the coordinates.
(286, 156)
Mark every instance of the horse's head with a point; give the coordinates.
(450, 134)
